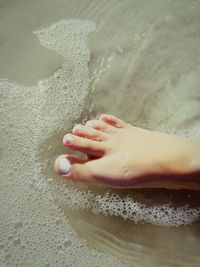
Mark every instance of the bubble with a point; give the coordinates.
(67, 243)
(17, 242)
(169, 17)
(18, 225)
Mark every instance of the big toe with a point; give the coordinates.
(72, 168)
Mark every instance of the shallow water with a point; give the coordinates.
(134, 59)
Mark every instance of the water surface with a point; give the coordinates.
(135, 59)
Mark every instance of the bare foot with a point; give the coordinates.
(121, 155)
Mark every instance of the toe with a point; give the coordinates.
(87, 146)
(100, 126)
(63, 163)
(90, 133)
(111, 120)
(72, 168)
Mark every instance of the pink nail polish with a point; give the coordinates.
(68, 139)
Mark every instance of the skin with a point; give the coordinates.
(121, 155)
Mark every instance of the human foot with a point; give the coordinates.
(121, 155)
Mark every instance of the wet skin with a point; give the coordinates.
(124, 156)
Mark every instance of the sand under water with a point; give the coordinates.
(68, 62)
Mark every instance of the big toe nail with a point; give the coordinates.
(64, 166)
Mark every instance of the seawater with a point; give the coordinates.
(125, 58)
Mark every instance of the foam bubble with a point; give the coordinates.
(127, 208)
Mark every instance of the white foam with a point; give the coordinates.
(32, 225)
(127, 208)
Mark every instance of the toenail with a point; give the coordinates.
(64, 166)
(89, 124)
(68, 139)
(78, 128)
